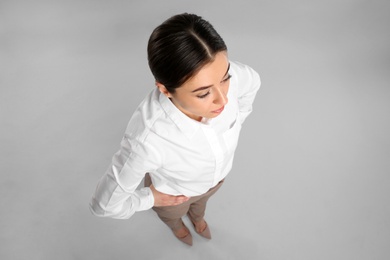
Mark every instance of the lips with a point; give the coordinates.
(218, 110)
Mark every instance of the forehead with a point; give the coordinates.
(210, 74)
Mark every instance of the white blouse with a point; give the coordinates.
(182, 156)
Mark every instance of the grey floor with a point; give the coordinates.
(311, 177)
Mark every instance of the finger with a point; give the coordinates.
(181, 199)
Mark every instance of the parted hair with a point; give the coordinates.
(180, 46)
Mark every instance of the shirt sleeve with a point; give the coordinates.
(116, 194)
(248, 85)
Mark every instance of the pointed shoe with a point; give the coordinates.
(205, 233)
(187, 239)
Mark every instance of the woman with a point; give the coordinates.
(182, 137)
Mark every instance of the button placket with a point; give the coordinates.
(216, 148)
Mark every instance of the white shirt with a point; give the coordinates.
(182, 156)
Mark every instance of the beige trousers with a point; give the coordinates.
(195, 207)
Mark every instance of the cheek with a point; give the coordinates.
(197, 106)
(226, 88)
(200, 105)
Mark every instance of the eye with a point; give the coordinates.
(228, 77)
(204, 95)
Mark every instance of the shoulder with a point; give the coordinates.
(144, 117)
(243, 77)
(241, 70)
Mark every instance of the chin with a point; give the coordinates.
(212, 116)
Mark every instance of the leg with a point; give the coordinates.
(197, 209)
(170, 215)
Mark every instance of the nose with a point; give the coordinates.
(220, 98)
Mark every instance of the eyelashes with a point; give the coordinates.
(204, 95)
(228, 77)
(208, 92)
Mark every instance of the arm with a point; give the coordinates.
(116, 195)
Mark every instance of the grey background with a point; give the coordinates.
(311, 175)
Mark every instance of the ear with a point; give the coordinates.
(163, 89)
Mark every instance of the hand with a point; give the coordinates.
(162, 199)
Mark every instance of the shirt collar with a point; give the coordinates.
(186, 124)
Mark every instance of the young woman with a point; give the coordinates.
(182, 138)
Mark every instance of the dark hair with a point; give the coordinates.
(180, 47)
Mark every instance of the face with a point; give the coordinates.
(204, 94)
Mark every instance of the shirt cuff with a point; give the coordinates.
(142, 199)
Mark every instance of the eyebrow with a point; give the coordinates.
(209, 86)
